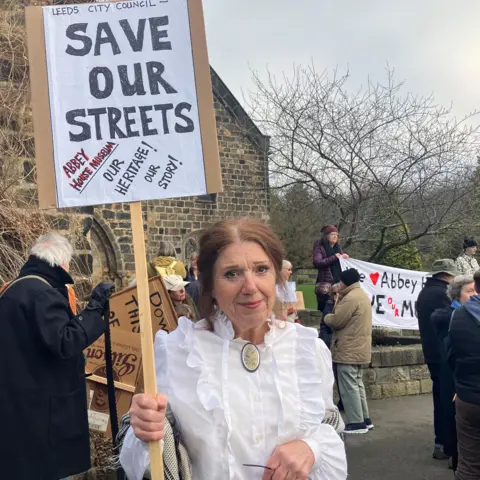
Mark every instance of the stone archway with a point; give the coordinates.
(190, 245)
(107, 259)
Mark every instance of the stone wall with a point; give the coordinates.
(397, 371)
(394, 371)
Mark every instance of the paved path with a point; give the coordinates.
(400, 446)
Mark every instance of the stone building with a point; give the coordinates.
(102, 235)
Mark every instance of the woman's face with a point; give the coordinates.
(179, 295)
(471, 251)
(287, 273)
(194, 261)
(468, 290)
(333, 238)
(244, 285)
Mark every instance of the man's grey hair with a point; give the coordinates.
(455, 288)
(166, 249)
(54, 249)
(286, 264)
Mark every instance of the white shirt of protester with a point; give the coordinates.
(230, 417)
(466, 264)
(287, 292)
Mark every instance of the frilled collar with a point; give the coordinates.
(222, 327)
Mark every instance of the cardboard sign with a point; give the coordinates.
(300, 301)
(126, 359)
(98, 411)
(122, 102)
(288, 301)
(124, 313)
(126, 352)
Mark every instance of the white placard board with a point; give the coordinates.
(124, 101)
(287, 292)
(98, 421)
(393, 293)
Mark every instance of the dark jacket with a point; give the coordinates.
(325, 331)
(42, 380)
(433, 296)
(194, 290)
(323, 263)
(190, 276)
(441, 323)
(464, 350)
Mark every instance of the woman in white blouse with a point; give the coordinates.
(249, 392)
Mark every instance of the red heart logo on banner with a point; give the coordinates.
(374, 278)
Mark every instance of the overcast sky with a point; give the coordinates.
(434, 45)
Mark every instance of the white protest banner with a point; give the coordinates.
(124, 102)
(393, 293)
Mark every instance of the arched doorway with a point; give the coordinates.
(191, 243)
(107, 261)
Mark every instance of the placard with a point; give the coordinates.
(98, 410)
(124, 313)
(126, 351)
(393, 293)
(126, 358)
(127, 362)
(122, 102)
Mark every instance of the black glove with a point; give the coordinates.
(100, 296)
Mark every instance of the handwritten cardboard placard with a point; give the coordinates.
(122, 102)
(127, 362)
(98, 410)
(126, 358)
(124, 313)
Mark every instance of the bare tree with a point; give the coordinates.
(20, 220)
(381, 158)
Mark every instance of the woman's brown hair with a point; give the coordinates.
(226, 233)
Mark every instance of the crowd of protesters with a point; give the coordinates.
(234, 362)
(448, 311)
(228, 330)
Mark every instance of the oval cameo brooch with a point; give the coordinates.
(250, 357)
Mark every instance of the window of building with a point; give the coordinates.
(208, 198)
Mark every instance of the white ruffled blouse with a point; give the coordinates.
(230, 417)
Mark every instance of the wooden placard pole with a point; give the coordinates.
(146, 333)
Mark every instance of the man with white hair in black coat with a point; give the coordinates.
(42, 380)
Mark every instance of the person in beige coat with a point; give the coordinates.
(351, 322)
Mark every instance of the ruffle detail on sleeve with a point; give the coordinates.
(208, 386)
(212, 390)
(312, 407)
(161, 365)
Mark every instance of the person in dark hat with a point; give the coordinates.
(326, 259)
(432, 297)
(466, 263)
(351, 322)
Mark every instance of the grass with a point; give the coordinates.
(308, 295)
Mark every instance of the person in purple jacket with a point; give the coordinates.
(326, 259)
